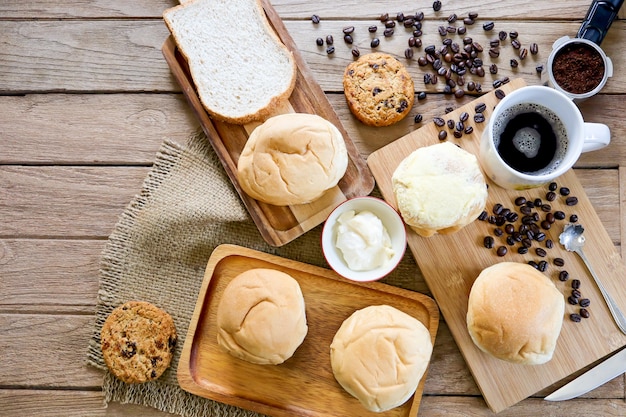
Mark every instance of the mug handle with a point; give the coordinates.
(597, 136)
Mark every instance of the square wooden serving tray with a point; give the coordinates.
(303, 385)
(451, 263)
(278, 225)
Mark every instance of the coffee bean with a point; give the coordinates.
(501, 251)
(550, 196)
(534, 48)
(523, 53)
(559, 215)
(513, 62)
(522, 250)
(442, 135)
(437, 5)
(546, 225)
(516, 44)
(468, 130)
(584, 313)
(464, 116)
(348, 30)
(550, 218)
(573, 218)
(572, 300)
(533, 264)
(479, 117)
(462, 30)
(480, 107)
(541, 252)
(493, 69)
(457, 134)
(390, 24)
(513, 34)
(539, 68)
(540, 237)
(552, 186)
(319, 41)
(564, 276)
(375, 42)
(576, 284)
(527, 242)
(488, 242)
(330, 40)
(372, 29)
(549, 244)
(543, 266)
(571, 201)
(421, 95)
(388, 32)
(408, 53)
(584, 302)
(564, 191)
(400, 17)
(330, 50)
(575, 317)
(459, 93)
(488, 26)
(348, 39)
(576, 294)
(559, 262)
(419, 16)
(315, 19)
(422, 62)
(418, 118)
(384, 17)
(500, 94)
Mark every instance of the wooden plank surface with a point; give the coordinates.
(85, 101)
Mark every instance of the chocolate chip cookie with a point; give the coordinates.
(379, 89)
(138, 340)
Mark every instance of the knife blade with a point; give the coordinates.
(593, 378)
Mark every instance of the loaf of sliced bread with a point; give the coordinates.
(241, 69)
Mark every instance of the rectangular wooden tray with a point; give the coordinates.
(277, 225)
(303, 385)
(451, 263)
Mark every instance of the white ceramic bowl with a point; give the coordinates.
(392, 221)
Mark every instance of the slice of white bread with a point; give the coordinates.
(242, 71)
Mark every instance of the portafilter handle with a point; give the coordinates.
(599, 18)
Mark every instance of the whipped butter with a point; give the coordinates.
(363, 240)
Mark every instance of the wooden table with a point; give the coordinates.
(87, 98)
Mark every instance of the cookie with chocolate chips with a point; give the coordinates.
(379, 89)
(138, 340)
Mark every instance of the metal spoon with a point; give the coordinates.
(573, 240)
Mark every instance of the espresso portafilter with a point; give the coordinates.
(578, 67)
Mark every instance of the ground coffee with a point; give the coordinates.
(578, 68)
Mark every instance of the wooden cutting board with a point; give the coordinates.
(277, 224)
(304, 384)
(451, 263)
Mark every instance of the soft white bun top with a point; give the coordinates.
(292, 159)
(261, 316)
(379, 355)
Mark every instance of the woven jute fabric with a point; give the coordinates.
(158, 252)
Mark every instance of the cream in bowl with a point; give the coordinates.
(364, 239)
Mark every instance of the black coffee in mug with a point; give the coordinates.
(530, 138)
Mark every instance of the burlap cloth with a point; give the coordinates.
(158, 252)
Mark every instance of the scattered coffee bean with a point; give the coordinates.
(541, 252)
(576, 284)
(355, 52)
(513, 34)
(523, 53)
(315, 19)
(549, 243)
(564, 191)
(571, 201)
(330, 50)
(550, 196)
(442, 135)
(330, 40)
(575, 317)
(390, 24)
(559, 215)
(418, 118)
(543, 266)
(584, 302)
(372, 29)
(450, 123)
(576, 294)
(319, 41)
(539, 68)
(533, 264)
(513, 62)
(522, 250)
(572, 300)
(500, 94)
(564, 276)
(559, 262)
(388, 32)
(348, 39)
(501, 251)
(436, 5)
(480, 108)
(479, 117)
(488, 26)
(375, 42)
(493, 69)
(348, 30)
(384, 17)
(534, 48)
(408, 53)
(488, 242)
(516, 44)
(573, 218)
(584, 313)
(552, 186)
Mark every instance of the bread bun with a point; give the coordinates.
(261, 317)
(292, 159)
(515, 313)
(241, 75)
(379, 355)
(439, 189)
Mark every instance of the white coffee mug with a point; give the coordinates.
(580, 137)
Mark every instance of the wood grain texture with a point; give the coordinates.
(294, 387)
(450, 277)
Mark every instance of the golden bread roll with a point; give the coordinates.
(292, 159)
(379, 355)
(515, 313)
(439, 189)
(261, 317)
